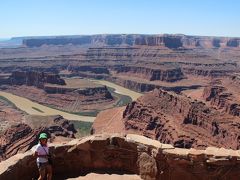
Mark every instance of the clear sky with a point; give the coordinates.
(74, 17)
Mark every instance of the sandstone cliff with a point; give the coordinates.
(22, 137)
(128, 154)
(224, 96)
(143, 86)
(34, 78)
(165, 40)
(88, 91)
(175, 119)
(18, 138)
(88, 68)
(151, 73)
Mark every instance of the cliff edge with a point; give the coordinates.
(128, 154)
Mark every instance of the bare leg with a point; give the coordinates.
(41, 173)
(49, 172)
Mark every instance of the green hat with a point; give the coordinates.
(43, 136)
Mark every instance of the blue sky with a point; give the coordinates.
(73, 17)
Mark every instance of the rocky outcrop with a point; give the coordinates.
(134, 85)
(18, 138)
(129, 153)
(4, 79)
(219, 96)
(165, 40)
(88, 68)
(236, 79)
(215, 94)
(151, 73)
(215, 73)
(94, 91)
(213, 70)
(234, 109)
(170, 41)
(234, 42)
(177, 120)
(146, 87)
(22, 137)
(34, 78)
(71, 99)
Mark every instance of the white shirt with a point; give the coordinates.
(42, 150)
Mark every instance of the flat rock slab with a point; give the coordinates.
(92, 176)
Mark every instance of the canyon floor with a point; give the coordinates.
(178, 89)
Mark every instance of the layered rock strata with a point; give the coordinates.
(165, 40)
(175, 119)
(151, 73)
(221, 96)
(143, 86)
(68, 99)
(50, 89)
(18, 138)
(34, 78)
(130, 154)
(22, 137)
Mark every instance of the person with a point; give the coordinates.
(42, 155)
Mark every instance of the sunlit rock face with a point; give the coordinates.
(165, 40)
(127, 154)
(173, 119)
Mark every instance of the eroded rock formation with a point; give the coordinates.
(233, 42)
(224, 96)
(151, 73)
(50, 89)
(18, 138)
(34, 78)
(22, 137)
(68, 99)
(132, 154)
(165, 40)
(175, 119)
(137, 57)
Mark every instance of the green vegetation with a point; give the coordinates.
(83, 128)
(123, 100)
(87, 113)
(84, 113)
(39, 110)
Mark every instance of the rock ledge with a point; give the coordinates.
(130, 154)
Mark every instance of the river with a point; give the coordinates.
(27, 105)
(34, 108)
(119, 89)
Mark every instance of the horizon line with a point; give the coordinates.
(95, 34)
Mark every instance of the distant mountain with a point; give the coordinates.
(11, 43)
(165, 40)
(171, 41)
